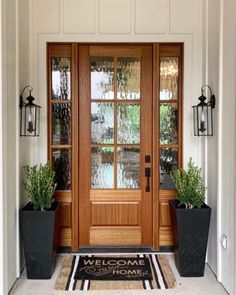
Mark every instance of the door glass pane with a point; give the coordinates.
(61, 78)
(128, 77)
(128, 123)
(128, 167)
(102, 123)
(102, 78)
(61, 162)
(61, 123)
(102, 167)
(168, 124)
(169, 78)
(168, 163)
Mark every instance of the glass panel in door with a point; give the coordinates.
(115, 124)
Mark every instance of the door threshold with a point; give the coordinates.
(114, 249)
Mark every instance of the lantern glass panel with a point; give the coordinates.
(203, 124)
(202, 120)
(30, 115)
(195, 120)
(210, 120)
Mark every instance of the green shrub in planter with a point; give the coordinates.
(39, 185)
(39, 222)
(190, 186)
(190, 218)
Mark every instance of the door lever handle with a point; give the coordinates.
(148, 175)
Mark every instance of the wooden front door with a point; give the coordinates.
(115, 145)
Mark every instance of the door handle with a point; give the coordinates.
(148, 175)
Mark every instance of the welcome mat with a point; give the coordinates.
(71, 278)
(113, 268)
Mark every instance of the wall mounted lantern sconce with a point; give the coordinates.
(29, 115)
(202, 114)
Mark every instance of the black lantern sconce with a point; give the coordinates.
(29, 115)
(202, 114)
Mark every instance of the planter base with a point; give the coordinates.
(40, 265)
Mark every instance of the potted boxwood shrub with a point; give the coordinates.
(39, 222)
(190, 218)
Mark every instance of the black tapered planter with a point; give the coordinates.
(190, 233)
(39, 231)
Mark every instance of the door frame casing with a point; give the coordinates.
(75, 196)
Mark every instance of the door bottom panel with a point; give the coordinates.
(111, 235)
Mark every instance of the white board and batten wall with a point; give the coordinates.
(227, 146)
(211, 51)
(9, 138)
(220, 162)
(119, 21)
(133, 21)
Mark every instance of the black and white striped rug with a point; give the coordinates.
(162, 275)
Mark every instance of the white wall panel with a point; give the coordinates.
(227, 144)
(151, 16)
(3, 174)
(183, 16)
(114, 16)
(126, 21)
(106, 21)
(79, 16)
(25, 144)
(46, 16)
(212, 70)
(9, 164)
(12, 148)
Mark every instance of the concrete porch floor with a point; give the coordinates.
(206, 285)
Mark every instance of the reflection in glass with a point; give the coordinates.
(168, 163)
(129, 123)
(102, 78)
(169, 78)
(128, 168)
(102, 123)
(102, 167)
(61, 78)
(61, 123)
(61, 162)
(128, 77)
(168, 124)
